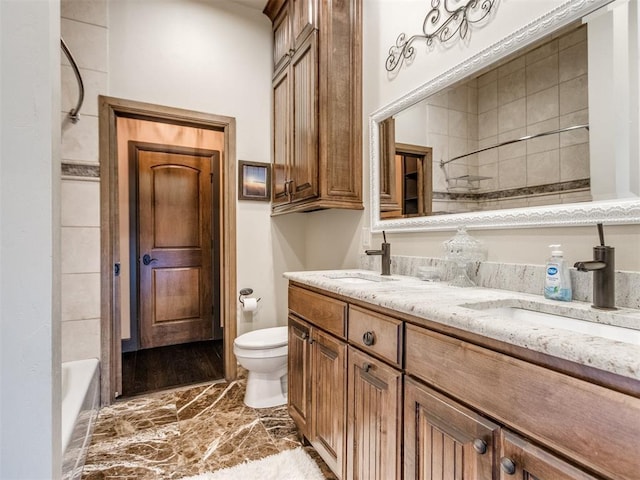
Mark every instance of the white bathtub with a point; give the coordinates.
(80, 405)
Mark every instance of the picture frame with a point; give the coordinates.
(254, 181)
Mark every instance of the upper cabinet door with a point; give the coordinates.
(282, 40)
(304, 117)
(303, 20)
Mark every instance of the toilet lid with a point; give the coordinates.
(263, 338)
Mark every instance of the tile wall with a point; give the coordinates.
(84, 29)
(543, 90)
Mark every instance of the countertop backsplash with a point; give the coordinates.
(511, 276)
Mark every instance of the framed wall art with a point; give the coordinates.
(254, 181)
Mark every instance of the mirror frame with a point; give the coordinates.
(623, 211)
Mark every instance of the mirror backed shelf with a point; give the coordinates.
(625, 209)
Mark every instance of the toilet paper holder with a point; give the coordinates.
(244, 293)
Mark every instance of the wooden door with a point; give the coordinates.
(281, 138)
(328, 393)
(374, 418)
(299, 374)
(522, 460)
(304, 119)
(444, 440)
(303, 20)
(175, 261)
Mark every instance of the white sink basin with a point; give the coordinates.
(612, 332)
(357, 278)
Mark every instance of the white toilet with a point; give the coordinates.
(264, 354)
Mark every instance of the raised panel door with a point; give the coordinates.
(299, 374)
(174, 246)
(444, 440)
(282, 41)
(374, 416)
(303, 20)
(523, 460)
(328, 392)
(281, 138)
(304, 122)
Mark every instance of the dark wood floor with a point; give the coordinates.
(155, 369)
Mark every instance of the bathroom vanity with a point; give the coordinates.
(392, 377)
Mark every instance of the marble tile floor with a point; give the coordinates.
(187, 431)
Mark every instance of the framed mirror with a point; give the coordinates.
(538, 129)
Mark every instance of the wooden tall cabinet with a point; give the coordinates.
(317, 118)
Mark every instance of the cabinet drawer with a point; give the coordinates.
(324, 312)
(376, 333)
(590, 424)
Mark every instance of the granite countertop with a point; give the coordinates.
(465, 309)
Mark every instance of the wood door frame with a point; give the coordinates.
(110, 109)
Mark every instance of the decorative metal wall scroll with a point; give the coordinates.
(442, 23)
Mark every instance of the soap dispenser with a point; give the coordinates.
(557, 281)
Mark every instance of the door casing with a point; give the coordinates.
(110, 109)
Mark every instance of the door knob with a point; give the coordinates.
(146, 259)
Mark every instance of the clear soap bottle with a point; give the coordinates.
(557, 281)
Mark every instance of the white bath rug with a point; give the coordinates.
(288, 465)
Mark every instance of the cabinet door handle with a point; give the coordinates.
(507, 465)
(366, 367)
(480, 446)
(305, 335)
(368, 338)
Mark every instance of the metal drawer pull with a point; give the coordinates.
(507, 465)
(366, 367)
(305, 335)
(368, 338)
(480, 446)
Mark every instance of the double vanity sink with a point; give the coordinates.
(523, 385)
(573, 331)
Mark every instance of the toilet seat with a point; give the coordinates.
(263, 339)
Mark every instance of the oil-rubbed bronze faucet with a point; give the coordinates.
(604, 279)
(385, 253)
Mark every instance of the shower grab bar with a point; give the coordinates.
(509, 142)
(73, 113)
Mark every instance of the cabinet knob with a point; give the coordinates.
(507, 465)
(366, 367)
(305, 335)
(368, 338)
(480, 446)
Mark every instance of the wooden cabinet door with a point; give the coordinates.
(281, 137)
(444, 440)
(374, 418)
(303, 20)
(522, 460)
(299, 374)
(328, 393)
(282, 41)
(304, 122)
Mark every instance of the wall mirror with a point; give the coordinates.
(535, 130)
